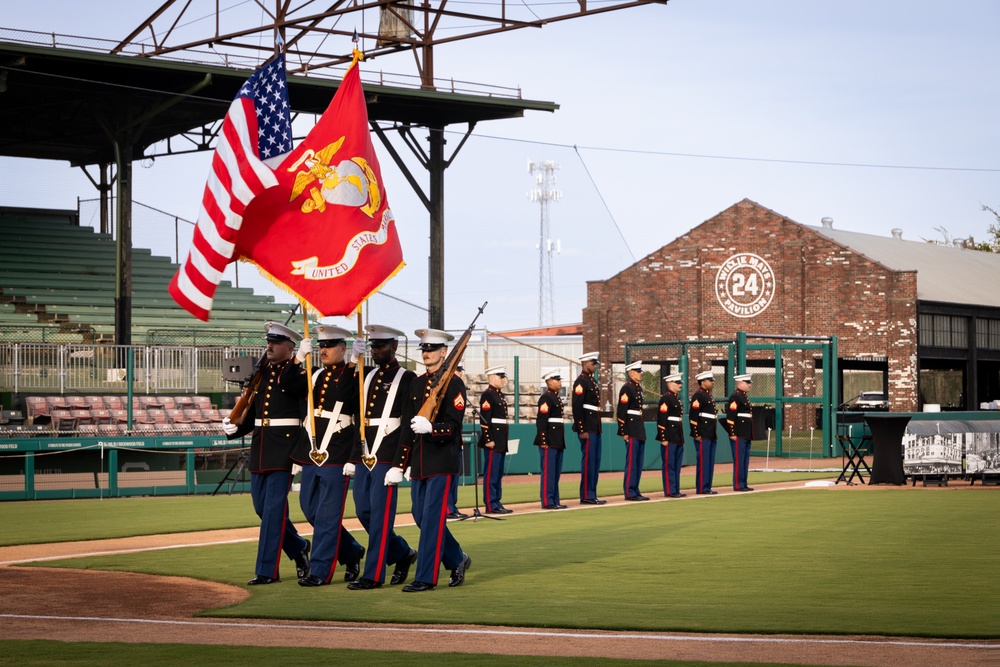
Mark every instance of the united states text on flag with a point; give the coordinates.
(256, 135)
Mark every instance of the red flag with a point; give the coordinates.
(256, 133)
(325, 232)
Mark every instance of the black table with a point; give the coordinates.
(887, 436)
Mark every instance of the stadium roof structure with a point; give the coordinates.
(63, 104)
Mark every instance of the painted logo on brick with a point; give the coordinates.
(744, 285)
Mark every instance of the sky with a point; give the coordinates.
(877, 113)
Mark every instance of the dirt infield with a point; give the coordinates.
(46, 604)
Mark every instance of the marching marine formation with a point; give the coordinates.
(375, 493)
(431, 451)
(704, 422)
(550, 438)
(739, 424)
(670, 433)
(274, 416)
(586, 405)
(494, 427)
(633, 430)
(324, 486)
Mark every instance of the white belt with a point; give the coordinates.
(673, 419)
(498, 420)
(556, 420)
(707, 415)
(634, 412)
(587, 406)
(390, 423)
(267, 421)
(343, 421)
(744, 414)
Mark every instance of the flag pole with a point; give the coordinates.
(307, 363)
(361, 388)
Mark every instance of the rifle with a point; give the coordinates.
(251, 383)
(439, 382)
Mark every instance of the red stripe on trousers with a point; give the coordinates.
(383, 545)
(336, 544)
(487, 479)
(442, 526)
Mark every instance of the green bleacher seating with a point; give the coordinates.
(54, 272)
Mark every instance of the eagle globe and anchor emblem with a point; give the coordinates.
(351, 183)
(744, 285)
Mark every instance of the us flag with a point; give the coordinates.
(256, 135)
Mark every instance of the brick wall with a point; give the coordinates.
(816, 287)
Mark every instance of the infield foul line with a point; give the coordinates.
(502, 633)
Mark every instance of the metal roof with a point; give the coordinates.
(944, 273)
(64, 104)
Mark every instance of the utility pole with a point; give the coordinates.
(543, 193)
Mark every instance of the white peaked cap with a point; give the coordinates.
(277, 331)
(552, 375)
(379, 332)
(707, 375)
(634, 366)
(676, 377)
(590, 356)
(433, 336)
(497, 370)
(327, 332)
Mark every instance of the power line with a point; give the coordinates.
(818, 163)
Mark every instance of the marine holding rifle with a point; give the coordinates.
(430, 447)
(272, 407)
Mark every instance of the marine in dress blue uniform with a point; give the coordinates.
(586, 403)
(739, 424)
(274, 417)
(550, 438)
(704, 423)
(375, 494)
(324, 486)
(670, 433)
(494, 429)
(432, 453)
(633, 430)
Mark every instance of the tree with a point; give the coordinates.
(992, 244)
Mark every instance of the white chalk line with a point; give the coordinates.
(505, 633)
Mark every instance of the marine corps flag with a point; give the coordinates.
(325, 232)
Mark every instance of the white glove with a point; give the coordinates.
(348, 470)
(406, 474)
(421, 425)
(305, 347)
(393, 477)
(228, 427)
(358, 350)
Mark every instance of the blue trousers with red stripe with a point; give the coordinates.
(635, 456)
(671, 471)
(492, 479)
(741, 462)
(322, 498)
(269, 491)
(590, 465)
(437, 545)
(551, 461)
(376, 506)
(705, 467)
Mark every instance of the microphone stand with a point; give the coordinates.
(476, 514)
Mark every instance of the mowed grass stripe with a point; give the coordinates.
(877, 561)
(41, 522)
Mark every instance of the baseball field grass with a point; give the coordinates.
(39, 522)
(898, 561)
(45, 654)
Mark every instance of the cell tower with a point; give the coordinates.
(545, 179)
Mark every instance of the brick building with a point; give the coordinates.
(917, 320)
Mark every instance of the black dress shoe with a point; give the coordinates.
(503, 510)
(560, 506)
(677, 495)
(402, 570)
(712, 492)
(417, 587)
(749, 488)
(588, 501)
(458, 574)
(312, 580)
(550, 507)
(363, 584)
(642, 497)
(598, 501)
(353, 569)
(455, 515)
(302, 562)
(261, 580)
